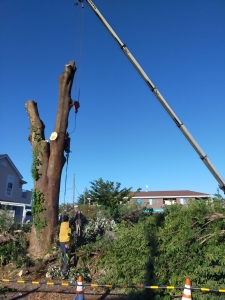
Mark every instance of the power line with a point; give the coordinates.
(77, 191)
(66, 190)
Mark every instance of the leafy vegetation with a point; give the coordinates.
(165, 249)
(5, 220)
(125, 246)
(37, 209)
(191, 243)
(36, 153)
(14, 251)
(107, 194)
(72, 274)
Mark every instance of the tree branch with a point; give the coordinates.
(208, 236)
(35, 121)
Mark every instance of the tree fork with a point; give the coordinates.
(51, 158)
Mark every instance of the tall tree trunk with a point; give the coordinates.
(48, 162)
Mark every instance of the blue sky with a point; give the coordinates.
(122, 132)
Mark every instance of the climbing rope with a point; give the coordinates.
(67, 160)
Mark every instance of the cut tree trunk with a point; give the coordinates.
(51, 160)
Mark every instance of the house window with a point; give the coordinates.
(152, 201)
(9, 186)
(169, 201)
(139, 201)
(183, 201)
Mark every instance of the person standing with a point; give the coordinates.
(75, 217)
(64, 239)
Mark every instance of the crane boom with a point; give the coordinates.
(156, 92)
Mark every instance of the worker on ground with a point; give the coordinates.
(75, 216)
(64, 239)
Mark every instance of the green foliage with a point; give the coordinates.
(108, 193)
(165, 249)
(218, 196)
(5, 220)
(97, 227)
(36, 162)
(191, 243)
(15, 252)
(125, 259)
(37, 209)
(75, 272)
(36, 153)
(72, 274)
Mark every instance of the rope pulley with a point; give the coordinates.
(76, 105)
(81, 1)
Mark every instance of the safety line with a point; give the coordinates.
(152, 287)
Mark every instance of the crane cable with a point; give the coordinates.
(79, 47)
(78, 55)
(79, 41)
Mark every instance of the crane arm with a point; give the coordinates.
(156, 92)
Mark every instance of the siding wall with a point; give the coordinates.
(158, 202)
(18, 195)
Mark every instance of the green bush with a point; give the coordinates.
(15, 252)
(191, 243)
(129, 255)
(165, 249)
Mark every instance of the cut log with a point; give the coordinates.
(40, 265)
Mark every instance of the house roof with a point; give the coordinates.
(14, 167)
(169, 194)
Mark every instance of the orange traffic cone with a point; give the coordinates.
(187, 290)
(80, 290)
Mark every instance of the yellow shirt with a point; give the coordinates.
(63, 233)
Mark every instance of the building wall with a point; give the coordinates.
(7, 170)
(11, 187)
(157, 203)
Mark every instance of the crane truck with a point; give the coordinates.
(158, 95)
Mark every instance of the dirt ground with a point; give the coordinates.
(28, 291)
(43, 292)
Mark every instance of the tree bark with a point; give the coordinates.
(51, 159)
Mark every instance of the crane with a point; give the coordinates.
(161, 99)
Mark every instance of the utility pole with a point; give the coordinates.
(73, 188)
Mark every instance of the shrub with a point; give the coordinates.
(191, 243)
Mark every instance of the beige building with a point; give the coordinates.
(12, 194)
